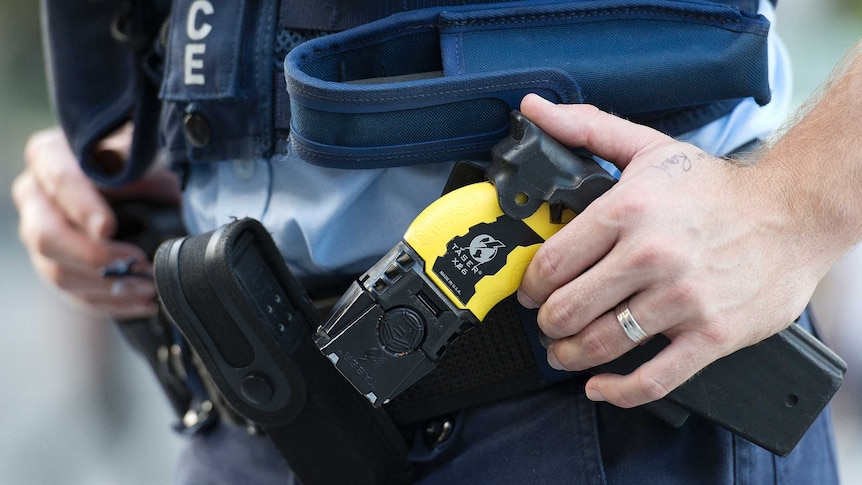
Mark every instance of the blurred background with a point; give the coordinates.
(77, 408)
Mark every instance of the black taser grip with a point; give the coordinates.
(235, 301)
(769, 393)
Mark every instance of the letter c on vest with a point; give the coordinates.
(194, 32)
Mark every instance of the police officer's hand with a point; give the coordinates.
(66, 225)
(705, 251)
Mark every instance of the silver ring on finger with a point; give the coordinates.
(630, 326)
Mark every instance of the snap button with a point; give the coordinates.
(437, 432)
(198, 416)
(197, 129)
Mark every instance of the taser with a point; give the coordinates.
(461, 256)
(469, 249)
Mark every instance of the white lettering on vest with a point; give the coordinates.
(194, 62)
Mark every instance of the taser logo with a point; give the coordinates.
(481, 253)
(197, 29)
(483, 248)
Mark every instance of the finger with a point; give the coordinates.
(45, 231)
(600, 342)
(569, 309)
(654, 379)
(90, 284)
(604, 339)
(129, 312)
(118, 297)
(61, 179)
(579, 125)
(567, 254)
(122, 293)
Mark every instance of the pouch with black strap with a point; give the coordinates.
(235, 301)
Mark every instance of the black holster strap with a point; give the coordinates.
(365, 439)
(234, 300)
(496, 360)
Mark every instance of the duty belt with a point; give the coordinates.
(322, 393)
(491, 363)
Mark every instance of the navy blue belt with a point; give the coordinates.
(437, 84)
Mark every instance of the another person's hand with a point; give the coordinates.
(704, 251)
(66, 224)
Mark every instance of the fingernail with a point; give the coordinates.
(545, 100)
(544, 340)
(595, 395)
(553, 362)
(539, 98)
(118, 287)
(126, 287)
(526, 301)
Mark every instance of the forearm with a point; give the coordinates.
(815, 167)
(715, 256)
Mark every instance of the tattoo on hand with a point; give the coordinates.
(677, 162)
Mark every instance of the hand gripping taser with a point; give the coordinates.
(469, 250)
(462, 255)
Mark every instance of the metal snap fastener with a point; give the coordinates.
(198, 415)
(197, 129)
(437, 432)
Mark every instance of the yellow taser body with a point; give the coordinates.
(474, 253)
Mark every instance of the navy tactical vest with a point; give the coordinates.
(401, 82)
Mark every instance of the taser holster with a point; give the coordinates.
(233, 298)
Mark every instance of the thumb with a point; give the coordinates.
(580, 125)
